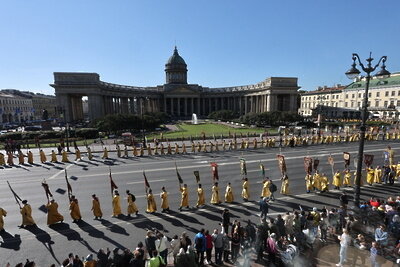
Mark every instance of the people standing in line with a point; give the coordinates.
(226, 220)
(285, 185)
(164, 200)
(200, 246)
(150, 242)
(116, 204)
(97, 213)
(26, 212)
(245, 189)
(74, 210)
(162, 246)
(215, 200)
(53, 216)
(263, 208)
(209, 246)
(184, 197)
(200, 197)
(151, 202)
(229, 193)
(218, 240)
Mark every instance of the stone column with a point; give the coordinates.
(96, 106)
(185, 111)
(179, 107)
(165, 104)
(268, 104)
(64, 101)
(209, 105)
(124, 105)
(192, 106)
(172, 106)
(198, 106)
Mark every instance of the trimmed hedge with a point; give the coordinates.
(88, 133)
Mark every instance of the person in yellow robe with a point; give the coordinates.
(184, 148)
(53, 216)
(156, 149)
(132, 208)
(135, 153)
(164, 200)
(26, 212)
(184, 196)
(378, 175)
(317, 181)
(176, 148)
(89, 153)
(398, 170)
(242, 144)
(201, 200)
(118, 151)
(74, 210)
(192, 148)
(204, 147)
(198, 147)
(347, 178)
(370, 175)
(2, 160)
(141, 151)
(53, 156)
(169, 149)
(324, 183)
(337, 180)
(77, 154)
(21, 158)
(215, 194)
(10, 159)
(3, 213)
(105, 153)
(309, 182)
(30, 157)
(96, 208)
(245, 189)
(361, 179)
(255, 143)
(229, 193)
(151, 202)
(211, 146)
(285, 185)
(149, 151)
(116, 204)
(43, 158)
(391, 154)
(64, 157)
(265, 189)
(162, 150)
(126, 151)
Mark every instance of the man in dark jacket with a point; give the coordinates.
(200, 246)
(226, 220)
(264, 208)
(102, 257)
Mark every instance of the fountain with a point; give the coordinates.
(194, 119)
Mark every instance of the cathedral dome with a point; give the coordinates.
(175, 60)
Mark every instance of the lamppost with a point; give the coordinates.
(320, 98)
(143, 99)
(352, 73)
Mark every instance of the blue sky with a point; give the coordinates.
(224, 43)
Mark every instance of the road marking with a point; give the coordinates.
(59, 172)
(153, 181)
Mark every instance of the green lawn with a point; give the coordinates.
(209, 129)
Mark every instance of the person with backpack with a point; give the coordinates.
(156, 260)
(200, 246)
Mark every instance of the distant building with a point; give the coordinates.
(176, 97)
(15, 108)
(346, 101)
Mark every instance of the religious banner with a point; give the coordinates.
(243, 168)
(316, 163)
(368, 159)
(346, 158)
(308, 161)
(282, 163)
(47, 190)
(112, 184)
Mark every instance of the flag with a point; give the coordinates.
(113, 185)
(178, 175)
(197, 175)
(146, 183)
(46, 189)
(316, 163)
(330, 160)
(17, 198)
(282, 163)
(368, 159)
(69, 188)
(243, 169)
(308, 164)
(262, 169)
(346, 158)
(214, 171)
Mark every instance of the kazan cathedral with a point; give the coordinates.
(176, 97)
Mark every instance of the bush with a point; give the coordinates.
(87, 133)
(223, 115)
(275, 118)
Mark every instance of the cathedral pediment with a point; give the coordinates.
(180, 90)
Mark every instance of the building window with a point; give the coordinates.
(359, 104)
(347, 96)
(398, 102)
(392, 103)
(385, 104)
(345, 104)
(352, 104)
(393, 93)
(359, 94)
(369, 103)
(377, 94)
(387, 93)
(398, 93)
(353, 95)
(377, 103)
(369, 94)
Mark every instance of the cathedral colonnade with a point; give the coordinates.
(175, 97)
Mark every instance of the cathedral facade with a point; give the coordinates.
(176, 97)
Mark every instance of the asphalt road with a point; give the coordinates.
(51, 245)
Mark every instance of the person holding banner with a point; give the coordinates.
(26, 212)
(74, 210)
(337, 180)
(30, 157)
(317, 181)
(116, 204)
(96, 208)
(89, 153)
(370, 175)
(245, 189)
(184, 196)
(131, 204)
(285, 185)
(324, 183)
(53, 157)
(215, 200)
(164, 200)
(3, 213)
(265, 190)
(347, 178)
(21, 158)
(151, 202)
(309, 182)
(229, 193)
(53, 216)
(10, 159)
(77, 154)
(105, 153)
(200, 197)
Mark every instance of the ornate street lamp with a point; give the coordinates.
(352, 73)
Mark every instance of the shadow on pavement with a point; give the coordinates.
(115, 228)
(44, 238)
(71, 234)
(9, 241)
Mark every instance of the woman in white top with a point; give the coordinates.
(344, 244)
